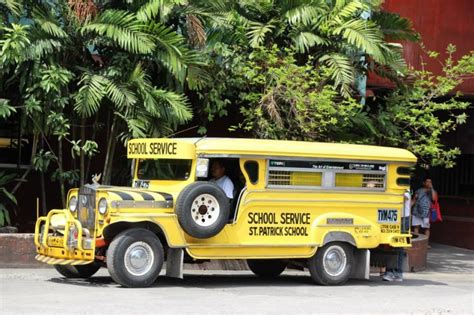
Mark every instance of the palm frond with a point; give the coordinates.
(92, 90)
(149, 10)
(303, 14)
(119, 94)
(344, 9)
(123, 29)
(197, 77)
(395, 27)
(14, 6)
(363, 35)
(258, 31)
(176, 106)
(41, 48)
(393, 57)
(171, 50)
(47, 22)
(303, 41)
(341, 70)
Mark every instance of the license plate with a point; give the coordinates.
(55, 241)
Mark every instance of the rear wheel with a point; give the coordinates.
(135, 258)
(332, 264)
(267, 268)
(78, 271)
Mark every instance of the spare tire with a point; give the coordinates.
(202, 209)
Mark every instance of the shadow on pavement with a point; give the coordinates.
(441, 259)
(233, 281)
(449, 259)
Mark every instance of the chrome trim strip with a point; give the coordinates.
(140, 204)
(195, 245)
(252, 256)
(321, 200)
(307, 191)
(145, 215)
(344, 225)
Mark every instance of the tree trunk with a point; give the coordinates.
(61, 171)
(109, 157)
(34, 148)
(94, 133)
(44, 209)
(82, 157)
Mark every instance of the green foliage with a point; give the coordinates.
(67, 67)
(42, 160)
(342, 34)
(5, 109)
(121, 28)
(13, 7)
(288, 101)
(423, 112)
(14, 43)
(5, 198)
(89, 148)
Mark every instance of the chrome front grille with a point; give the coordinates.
(86, 207)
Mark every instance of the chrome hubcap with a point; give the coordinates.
(334, 261)
(139, 258)
(205, 210)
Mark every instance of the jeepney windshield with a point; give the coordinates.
(164, 169)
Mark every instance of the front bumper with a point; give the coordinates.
(68, 244)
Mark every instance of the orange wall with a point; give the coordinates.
(440, 23)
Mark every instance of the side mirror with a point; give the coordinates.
(202, 168)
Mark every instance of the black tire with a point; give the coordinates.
(267, 268)
(78, 271)
(190, 211)
(119, 258)
(321, 274)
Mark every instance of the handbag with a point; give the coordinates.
(435, 212)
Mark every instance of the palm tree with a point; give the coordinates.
(124, 63)
(345, 35)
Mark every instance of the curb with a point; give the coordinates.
(17, 250)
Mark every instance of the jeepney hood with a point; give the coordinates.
(128, 197)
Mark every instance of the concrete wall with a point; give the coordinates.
(18, 251)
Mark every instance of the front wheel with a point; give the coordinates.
(78, 271)
(267, 268)
(332, 264)
(135, 258)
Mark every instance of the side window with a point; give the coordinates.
(360, 180)
(251, 167)
(326, 174)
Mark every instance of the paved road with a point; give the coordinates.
(447, 287)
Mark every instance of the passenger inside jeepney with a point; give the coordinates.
(218, 173)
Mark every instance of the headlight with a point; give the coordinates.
(72, 204)
(103, 205)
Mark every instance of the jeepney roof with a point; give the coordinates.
(259, 147)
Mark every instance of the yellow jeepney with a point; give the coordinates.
(320, 206)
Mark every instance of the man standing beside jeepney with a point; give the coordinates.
(221, 179)
(422, 201)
